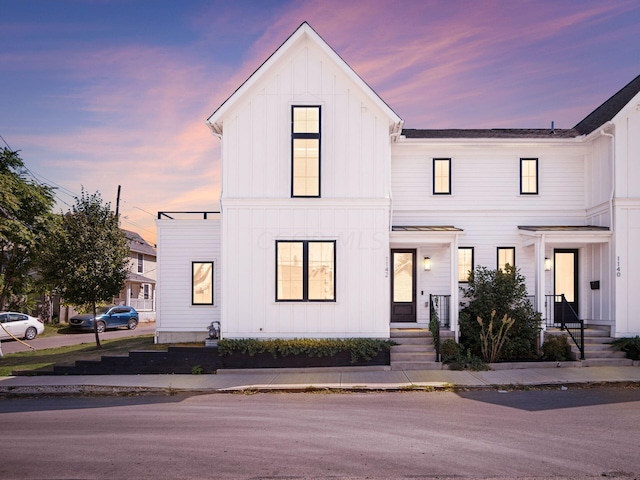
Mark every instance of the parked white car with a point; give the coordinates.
(19, 325)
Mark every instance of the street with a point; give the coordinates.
(73, 338)
(576, 433)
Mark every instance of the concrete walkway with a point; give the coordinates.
(352, 378)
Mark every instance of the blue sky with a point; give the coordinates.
(102, 93)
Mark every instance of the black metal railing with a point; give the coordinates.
(182, 215)
(440, 307)
(434, 324)
(559, 313)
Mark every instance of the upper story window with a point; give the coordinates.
(442, 176)
(305, 271)
(465, 263)
(305, 151)
(140, 263)
(506, 255)
(528, 176)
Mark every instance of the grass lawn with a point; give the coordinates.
(45, 359)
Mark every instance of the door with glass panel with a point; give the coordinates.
(403, 286)
(565, 262)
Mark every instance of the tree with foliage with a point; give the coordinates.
(26, 221)
(87, 262)
(500, 294)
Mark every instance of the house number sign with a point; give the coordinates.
(618, 269)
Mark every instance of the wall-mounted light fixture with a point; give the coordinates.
(547, 264)
(426, 262)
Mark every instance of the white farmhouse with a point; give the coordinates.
(336, 222)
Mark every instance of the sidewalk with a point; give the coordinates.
(353, 378)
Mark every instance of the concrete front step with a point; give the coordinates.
(410, 348)
(607, 362)
(413, 357)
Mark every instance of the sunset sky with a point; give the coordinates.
(102, 93)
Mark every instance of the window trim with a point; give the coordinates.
(311, 136)
(537, 188)
(193, 292)
(140, 266)
(473, 259)
(498, 249)
(305, 272)
(448, 160)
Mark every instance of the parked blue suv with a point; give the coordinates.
(107, 317)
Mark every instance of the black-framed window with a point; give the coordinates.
(442, 176)
(465, 263)
(528, 176)
(506, 255)
(305, 271)
(140, 263)
(305, 151)
(202, 283)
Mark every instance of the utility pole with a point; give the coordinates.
(118, 202)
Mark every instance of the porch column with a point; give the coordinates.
(128, 299)
(453, 305)
(539, 248)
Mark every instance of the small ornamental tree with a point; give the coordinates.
(87, 262)
(500, 294)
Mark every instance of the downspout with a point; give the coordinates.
(611, 216)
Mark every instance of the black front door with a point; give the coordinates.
(565, 277)
(403, 285)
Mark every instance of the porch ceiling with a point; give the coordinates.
(569, 234)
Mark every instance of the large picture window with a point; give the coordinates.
(529, 176)
(305, 151)
(442, 176)
(202, 283)
(506, 255)
(305, 271)
(465, 263)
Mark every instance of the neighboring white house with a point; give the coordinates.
(140, 287)
(337, 222)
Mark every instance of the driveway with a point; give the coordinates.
(74, 338)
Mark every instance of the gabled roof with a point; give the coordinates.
(138, 244)
(609, 109)
(303, 31)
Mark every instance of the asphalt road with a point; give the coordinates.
(551, 434)
(74, 338)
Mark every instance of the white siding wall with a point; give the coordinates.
(626, 257)
(257, 132)
(258, 208)
(362, 287)
(177, 318)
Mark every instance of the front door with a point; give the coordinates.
(403, 286)
(565, 263)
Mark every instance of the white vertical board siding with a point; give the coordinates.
(176, 251)
(257, 132)
(360, 231)
(626, 261)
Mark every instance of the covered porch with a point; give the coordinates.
(424, 276)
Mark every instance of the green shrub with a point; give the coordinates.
(629, 345)
(453, 354)
(359, 348)
(504, 292)
(556, 348)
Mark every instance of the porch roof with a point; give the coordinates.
(426, 228)
(423, 234)
(566, 233)
(137, 278)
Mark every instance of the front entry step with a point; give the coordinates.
(597, 348)
(414, 350)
